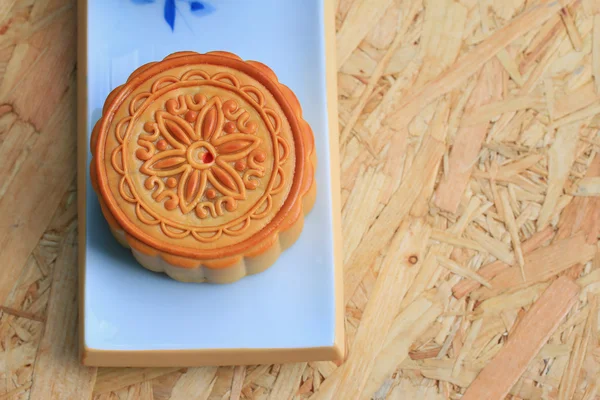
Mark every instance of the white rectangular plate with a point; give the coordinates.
(291, 312)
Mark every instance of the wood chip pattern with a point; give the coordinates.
(470, 160)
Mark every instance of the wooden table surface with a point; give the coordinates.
(471, 210)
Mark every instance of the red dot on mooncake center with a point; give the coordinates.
(207, 158)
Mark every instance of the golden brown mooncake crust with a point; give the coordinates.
(204, 161)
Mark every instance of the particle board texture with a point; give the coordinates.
(470, 167)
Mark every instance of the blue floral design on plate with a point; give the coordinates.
(197, 8)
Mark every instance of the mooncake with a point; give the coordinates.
(204, 166)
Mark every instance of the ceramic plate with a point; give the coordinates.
(291, 312)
